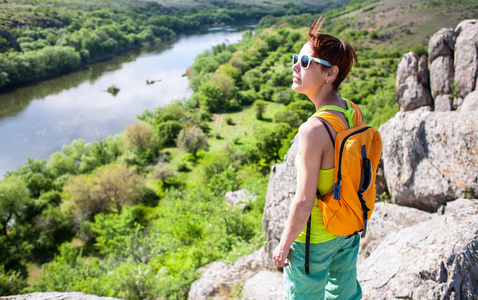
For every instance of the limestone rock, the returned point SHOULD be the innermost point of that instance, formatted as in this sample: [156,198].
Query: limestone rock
[239,198]
[423,73]
[220,279]
[265,285]
[470,103]
[435,259]
[56,296]
[464,25]
[442,43]
[443,103]
[430,157]
[466,57]
[408,66]
[388,218]
[412,85]
[280,192]
[441,74]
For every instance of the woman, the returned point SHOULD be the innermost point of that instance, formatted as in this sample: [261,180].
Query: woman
[318,70]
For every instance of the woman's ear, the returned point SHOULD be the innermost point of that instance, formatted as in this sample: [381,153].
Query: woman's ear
[332,73]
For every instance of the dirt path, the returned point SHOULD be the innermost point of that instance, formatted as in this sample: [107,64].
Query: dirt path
[218,122]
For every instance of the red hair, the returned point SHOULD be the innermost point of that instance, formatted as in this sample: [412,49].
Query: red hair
[333,50]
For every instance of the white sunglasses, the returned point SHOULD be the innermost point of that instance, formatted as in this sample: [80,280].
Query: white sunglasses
[305,61]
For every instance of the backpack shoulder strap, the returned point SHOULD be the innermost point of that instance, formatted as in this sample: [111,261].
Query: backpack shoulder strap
[352,114]
[358,117]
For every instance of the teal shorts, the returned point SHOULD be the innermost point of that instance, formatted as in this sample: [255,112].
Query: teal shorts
[333,271]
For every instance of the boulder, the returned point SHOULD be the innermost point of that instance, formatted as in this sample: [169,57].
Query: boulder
[466,58]
[442,43]
[56,296]
[407,67]
[470,103]
[430,158]
[423,73]
[280,192]
[412,83]
[443,103]
[219,280]
[434,259]
[240,198]
[265,285]
[388,218]
[441,74]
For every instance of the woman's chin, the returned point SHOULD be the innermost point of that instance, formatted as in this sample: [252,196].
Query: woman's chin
[296,87]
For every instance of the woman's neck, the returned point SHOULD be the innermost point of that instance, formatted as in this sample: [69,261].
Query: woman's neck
[328,98]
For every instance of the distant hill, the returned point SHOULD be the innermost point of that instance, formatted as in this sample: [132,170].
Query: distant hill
[401,24]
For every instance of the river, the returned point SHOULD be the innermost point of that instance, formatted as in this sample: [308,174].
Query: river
[37,120]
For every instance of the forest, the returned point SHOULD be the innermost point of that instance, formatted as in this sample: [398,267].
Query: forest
[44,39]
[137,215]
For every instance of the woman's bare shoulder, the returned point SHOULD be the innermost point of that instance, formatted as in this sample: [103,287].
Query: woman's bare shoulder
[311,133]
[312,128]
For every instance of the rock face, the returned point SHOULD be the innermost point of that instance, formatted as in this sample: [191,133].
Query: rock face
[466,57]
[430,157]
[280,192]
[441,74]
[239,198]
[453,68]
[56,296]
[412,83]
[441,43]
[388,218]
[470,103]
[266,285]
[220,279]
[434,259]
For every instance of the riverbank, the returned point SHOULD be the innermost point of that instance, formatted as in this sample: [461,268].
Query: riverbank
[39,119]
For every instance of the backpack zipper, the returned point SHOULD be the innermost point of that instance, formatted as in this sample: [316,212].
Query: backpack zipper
[338,182]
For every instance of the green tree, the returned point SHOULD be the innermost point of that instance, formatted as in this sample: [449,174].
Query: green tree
[210,97]
[11,282]
[107,190]
[14,195]
[225,84]
[260,107]
[167,132]
[139,135]
[269,140]
[192,140]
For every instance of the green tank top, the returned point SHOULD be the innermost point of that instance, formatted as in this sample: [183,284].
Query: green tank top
[318,232]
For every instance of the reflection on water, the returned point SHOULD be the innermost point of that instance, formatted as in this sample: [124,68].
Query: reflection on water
[37,120]
[16,101]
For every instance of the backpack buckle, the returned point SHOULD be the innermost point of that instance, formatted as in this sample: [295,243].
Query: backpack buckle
[337,189]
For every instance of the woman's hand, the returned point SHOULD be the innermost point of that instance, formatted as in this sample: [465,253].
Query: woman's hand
[279,256]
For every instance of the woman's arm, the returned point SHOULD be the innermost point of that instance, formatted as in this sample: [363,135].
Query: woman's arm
[311,135]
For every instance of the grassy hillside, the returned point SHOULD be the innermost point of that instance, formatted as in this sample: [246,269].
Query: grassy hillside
[188,4]
[402,24]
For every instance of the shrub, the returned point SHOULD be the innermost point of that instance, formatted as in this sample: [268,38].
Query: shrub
[260,106]
[167,132]
[192,140]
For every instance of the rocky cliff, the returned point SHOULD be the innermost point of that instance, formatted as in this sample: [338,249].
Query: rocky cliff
[424,245]
[444,79]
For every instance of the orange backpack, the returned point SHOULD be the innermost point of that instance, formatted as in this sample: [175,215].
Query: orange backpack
[357,153]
